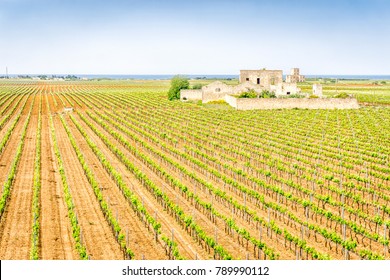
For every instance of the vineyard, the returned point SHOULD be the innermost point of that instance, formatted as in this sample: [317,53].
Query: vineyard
[127,174]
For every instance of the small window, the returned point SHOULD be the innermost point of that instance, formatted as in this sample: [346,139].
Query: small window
[217,90]
[273,81]
[184,98]
[247,79]
[288,93]
[258,81]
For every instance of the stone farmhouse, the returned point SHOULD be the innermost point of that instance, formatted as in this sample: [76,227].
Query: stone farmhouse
[269,80]
[257,80]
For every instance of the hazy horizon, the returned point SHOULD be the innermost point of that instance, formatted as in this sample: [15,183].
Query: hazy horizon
[210,37]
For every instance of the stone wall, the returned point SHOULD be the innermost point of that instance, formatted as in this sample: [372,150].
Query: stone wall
[290,103]
[231,100]
[190,94]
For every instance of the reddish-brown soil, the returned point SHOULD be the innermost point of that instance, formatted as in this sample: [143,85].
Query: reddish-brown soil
[140,239]
[56,235]
[16,222]
[9,151]
[96,233]
[186,244]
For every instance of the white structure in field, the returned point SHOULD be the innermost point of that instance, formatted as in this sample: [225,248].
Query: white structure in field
[68,109]
[317,90]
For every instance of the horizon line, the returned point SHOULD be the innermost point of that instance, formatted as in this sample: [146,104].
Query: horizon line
[182,74]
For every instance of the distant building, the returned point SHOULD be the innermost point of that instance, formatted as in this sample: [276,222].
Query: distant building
[271,80]
[295,77]
[265,78]
[256,80]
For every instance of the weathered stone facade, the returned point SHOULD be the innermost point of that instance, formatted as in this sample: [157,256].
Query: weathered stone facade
[215,91]
[294,76]
[190,94]
[285,89]
[265,78]
[271,80]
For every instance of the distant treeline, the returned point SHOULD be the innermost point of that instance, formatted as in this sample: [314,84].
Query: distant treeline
[44,77]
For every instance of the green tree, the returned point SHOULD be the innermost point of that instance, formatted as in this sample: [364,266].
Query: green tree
[177,83]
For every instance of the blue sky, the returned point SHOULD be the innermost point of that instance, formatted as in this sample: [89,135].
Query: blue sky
[194,37]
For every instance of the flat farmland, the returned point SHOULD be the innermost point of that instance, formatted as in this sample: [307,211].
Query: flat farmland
[113,170]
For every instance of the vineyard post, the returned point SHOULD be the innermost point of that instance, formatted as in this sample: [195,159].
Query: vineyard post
[344,228]
[367,182]
[216,235]
[345,253]
[155,231]
[269,221]
[384,238]
[127,237]
[260,233]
